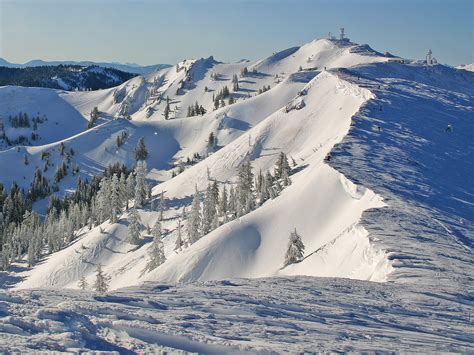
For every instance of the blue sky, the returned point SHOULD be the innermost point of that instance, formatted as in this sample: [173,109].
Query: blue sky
[149,32]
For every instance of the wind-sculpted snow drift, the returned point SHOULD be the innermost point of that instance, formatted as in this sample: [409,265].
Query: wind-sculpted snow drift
[392,204]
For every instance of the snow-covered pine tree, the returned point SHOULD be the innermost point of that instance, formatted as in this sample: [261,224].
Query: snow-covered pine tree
[156,230]
[134,227]
[179,239]
[235,83]
[208,210]
[194,219]
[286,181]
[130,188]
[140,183]
[123,191]
[83,283]
[295,251]
[232,204]
[245,200]
[167,111]
[222,207]
[269,184]
[101,283]
[103,200]
[282,165]
[156,251]
[115,202]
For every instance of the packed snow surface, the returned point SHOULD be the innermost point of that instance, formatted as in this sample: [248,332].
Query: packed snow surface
[291,314]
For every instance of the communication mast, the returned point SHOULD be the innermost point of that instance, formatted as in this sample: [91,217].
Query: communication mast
[429,60]
[341,36]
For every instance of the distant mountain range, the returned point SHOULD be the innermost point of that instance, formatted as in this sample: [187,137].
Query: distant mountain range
[127,67]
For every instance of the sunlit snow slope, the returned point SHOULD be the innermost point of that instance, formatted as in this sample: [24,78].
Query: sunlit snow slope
[321,203]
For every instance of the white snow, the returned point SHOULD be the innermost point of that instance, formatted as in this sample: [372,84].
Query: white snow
[468,67]
[393,204]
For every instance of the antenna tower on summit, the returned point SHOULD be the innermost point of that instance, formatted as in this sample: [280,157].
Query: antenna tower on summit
[429,60]
[341,36]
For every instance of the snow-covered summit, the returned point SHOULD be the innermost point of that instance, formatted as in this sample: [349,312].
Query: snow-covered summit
[468,67]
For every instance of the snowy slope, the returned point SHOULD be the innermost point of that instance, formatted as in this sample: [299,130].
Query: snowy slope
[272,315]
[422,167]
[393,204]
[307,135]
[62,120]
[185,83]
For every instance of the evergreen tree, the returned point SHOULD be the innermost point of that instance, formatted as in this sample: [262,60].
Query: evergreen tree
[130,188]
[211,142]
[282,166]
[141,153]
[232,204]
[94,117]
[194,219]
[244,72]
[167,109]
[134,227]
[245,200]
[61,148]
[115,202]
[101,280]
[295,251]
[39,186]
[208,211]
[141,188]
[156,251]
[156,230]
[222,208]
[235,83]
[179,239]
[123,191]
[83,283]
[103,200]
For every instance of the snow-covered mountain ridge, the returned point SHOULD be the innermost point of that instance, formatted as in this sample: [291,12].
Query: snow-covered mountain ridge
[391,204]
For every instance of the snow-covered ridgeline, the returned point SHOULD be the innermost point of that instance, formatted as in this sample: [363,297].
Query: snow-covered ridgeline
[323,205]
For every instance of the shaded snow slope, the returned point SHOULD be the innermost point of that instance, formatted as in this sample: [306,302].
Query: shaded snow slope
[421,167]
[61,119]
